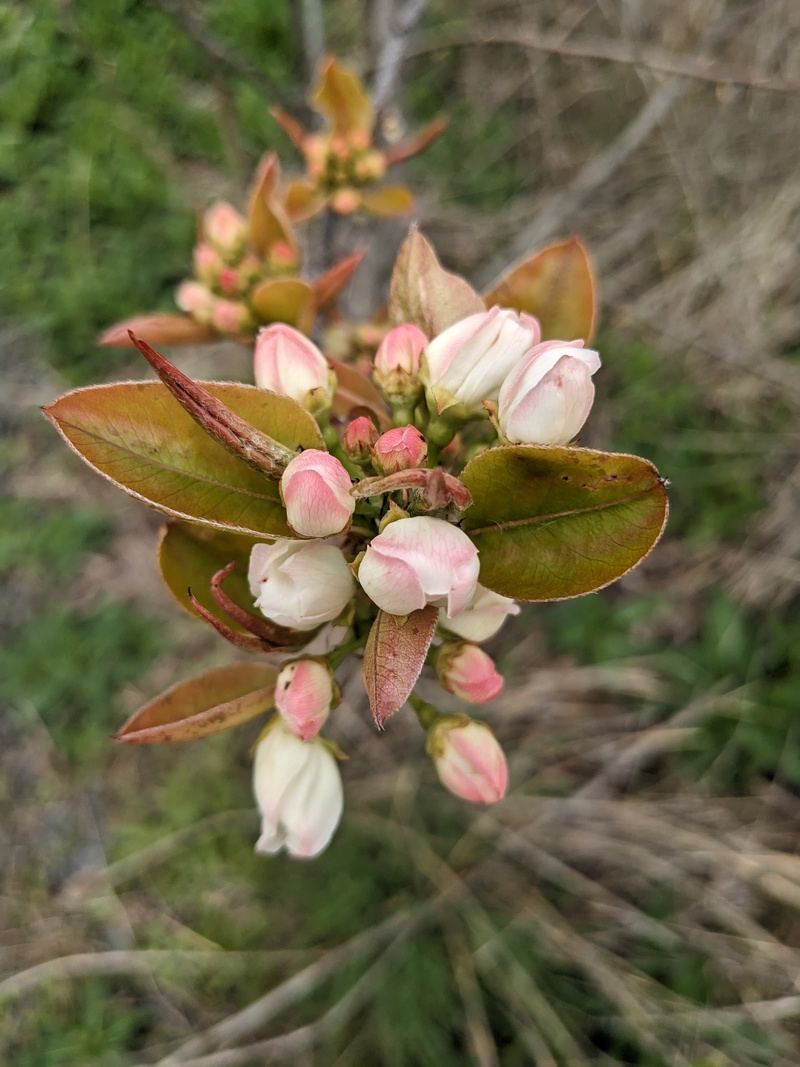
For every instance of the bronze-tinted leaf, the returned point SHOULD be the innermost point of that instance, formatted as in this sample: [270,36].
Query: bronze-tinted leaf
[328,286]
[303,200]
[552,523]
[424,293]
[204,705]
[340,95]
[557,286]
[393,658]
[286,300]
[389,202]
[268,222]
[416,143]
[138,436]
[190,555]
[157,328]
[353,390]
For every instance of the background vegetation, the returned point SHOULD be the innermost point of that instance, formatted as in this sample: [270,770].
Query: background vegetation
[634,901]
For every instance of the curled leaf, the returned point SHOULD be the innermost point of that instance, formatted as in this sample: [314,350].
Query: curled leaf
[156,328]
[393,658]
[207,704]
[340,96]
[268,222]
[328,286]
[288,300]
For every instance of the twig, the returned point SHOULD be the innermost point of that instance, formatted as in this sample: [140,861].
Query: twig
[699,68]
[393,52]
[256,1015]
[290,1044]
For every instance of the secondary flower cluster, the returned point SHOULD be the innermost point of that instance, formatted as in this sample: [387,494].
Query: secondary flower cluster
[373,537]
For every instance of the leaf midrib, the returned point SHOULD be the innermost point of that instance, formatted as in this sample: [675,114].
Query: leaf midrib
[554,516]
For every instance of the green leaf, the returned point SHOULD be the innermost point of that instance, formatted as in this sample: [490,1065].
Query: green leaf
[204,705]
[552,523]
[287,300]
[138,436]
[393,658]
[424,293]
[556,285]
[190,555]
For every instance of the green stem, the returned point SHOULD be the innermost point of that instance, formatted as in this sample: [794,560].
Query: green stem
[337,656]
[334,446]
[426,713]
[439,434]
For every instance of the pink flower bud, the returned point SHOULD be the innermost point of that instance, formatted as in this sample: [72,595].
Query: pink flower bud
[196,299]
[282,257]
[358,438]
[396,370]
[346,201]
[231,316]
[548,395]
[287,362]
[469,361]
[229,281]
[467,672]
[304,693]
[482,617]
[468,759]
[299,584]
[207,263]
[298,789]
[226,229]
[420,561]
[316,492]
[400,449]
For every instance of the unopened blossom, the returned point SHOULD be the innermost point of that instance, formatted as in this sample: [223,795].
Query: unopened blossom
[207,263]
[226,229]
[316,492]
[396,364]
[400,449]
[304,693]
[467,672]
[548,395]
[196,299]
[419,561]
[467,363]
[482,617]
[298,789]
[286,362]
[299,584]
[358,438]
[468,759]
[231,316]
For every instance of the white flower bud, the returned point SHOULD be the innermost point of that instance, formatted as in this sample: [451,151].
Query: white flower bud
[299,584]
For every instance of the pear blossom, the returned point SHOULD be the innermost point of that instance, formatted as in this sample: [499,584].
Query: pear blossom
[468,759]
[304,692]
[226,229]
[419,561]
[400,449]
[548,395]
[298,789]
[358,438]
[299,584]
[286,362]
[467,672]
[316,492]
[467,363]
[396,364]
[482,617]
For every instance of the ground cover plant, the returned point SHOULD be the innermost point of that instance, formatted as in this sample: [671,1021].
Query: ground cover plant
[631,901]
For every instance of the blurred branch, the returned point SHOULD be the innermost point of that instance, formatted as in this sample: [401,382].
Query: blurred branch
[700,68]
[393,52]
[309,25]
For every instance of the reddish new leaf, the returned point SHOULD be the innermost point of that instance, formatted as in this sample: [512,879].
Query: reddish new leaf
[328,286]
[556,285]
[204,705]
[353,390]
[393,658]
[424,293]
[156,328]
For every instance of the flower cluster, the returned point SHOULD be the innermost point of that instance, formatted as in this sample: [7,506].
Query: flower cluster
[407,556]
[393,504]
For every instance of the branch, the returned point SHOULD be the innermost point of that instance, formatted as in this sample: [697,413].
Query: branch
[393,52]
